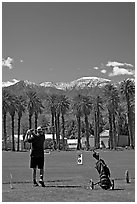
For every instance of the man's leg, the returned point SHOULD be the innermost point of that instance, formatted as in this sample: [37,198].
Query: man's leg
[33,165]
[41,167]
[34,177]
[41,178]
[41,174]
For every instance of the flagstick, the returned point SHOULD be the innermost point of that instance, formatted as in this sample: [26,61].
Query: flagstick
[11,186]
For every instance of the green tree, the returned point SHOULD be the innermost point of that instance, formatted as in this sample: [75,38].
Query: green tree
[6,98]
[31,105]
[86,107]
[12,110]
[97,104]
[96,95]
[121,121]
[21,104]
[38,109]
[112,103]
[51,105]
[24,127]
[64,107]
[77,110]
[127,89]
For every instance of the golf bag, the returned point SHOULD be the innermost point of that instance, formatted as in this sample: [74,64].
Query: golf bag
[104,174]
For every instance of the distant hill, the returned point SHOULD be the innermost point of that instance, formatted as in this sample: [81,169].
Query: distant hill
[19,86]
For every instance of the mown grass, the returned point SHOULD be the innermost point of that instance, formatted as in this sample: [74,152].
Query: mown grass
[66,180]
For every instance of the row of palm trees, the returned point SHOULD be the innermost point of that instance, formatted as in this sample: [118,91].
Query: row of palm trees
[13,104]
[117,102]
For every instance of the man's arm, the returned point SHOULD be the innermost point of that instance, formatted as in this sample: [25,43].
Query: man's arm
[27,136]
[30,136]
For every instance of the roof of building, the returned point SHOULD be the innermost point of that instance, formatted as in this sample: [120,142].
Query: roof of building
[104,133]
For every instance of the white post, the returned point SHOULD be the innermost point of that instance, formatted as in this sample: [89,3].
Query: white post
[11,186]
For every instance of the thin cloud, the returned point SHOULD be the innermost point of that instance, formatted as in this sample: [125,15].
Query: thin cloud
[7,62]
[118,64]
[103,71]
[121,71]
[129,65]
[114,64]
[96,68]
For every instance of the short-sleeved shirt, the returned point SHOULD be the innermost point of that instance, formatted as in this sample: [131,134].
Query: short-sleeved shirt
[37,146]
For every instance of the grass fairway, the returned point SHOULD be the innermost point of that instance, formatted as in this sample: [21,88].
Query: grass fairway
[65,180]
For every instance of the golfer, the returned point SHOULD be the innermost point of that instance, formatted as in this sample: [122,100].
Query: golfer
[37,154]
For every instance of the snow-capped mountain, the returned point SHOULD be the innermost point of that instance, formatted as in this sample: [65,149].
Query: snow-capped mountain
[29,83]
[79,83]
[9,83]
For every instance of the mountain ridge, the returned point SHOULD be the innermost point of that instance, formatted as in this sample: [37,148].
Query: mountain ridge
[78,83]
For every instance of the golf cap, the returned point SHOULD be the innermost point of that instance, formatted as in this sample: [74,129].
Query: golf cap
[39,129]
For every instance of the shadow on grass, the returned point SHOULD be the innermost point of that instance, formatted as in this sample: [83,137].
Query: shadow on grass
[48,181]
[64,186]
[61,180]
[117,189]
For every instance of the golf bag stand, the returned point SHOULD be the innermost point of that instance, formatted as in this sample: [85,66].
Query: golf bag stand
[104,174]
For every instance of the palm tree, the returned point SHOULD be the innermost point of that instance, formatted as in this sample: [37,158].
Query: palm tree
[51,104]
[96,94]
[86,105]
[6,97]
[112,103]
[24,126]
[57,122]
[77,109]
[38,109]
[97,104]
[31,105]
[127,89]
[20,110]
[121,120]
[12,110]
[64,106]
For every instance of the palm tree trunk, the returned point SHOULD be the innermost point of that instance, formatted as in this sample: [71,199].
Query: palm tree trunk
[95,129]
[13,142]
[110,131]
[79,133]
[53,130]
[63,131]
[36,120]
[56,128]
[4,131]
[130,125]
[30,121]
[119,128]
[119,131]
[114,132]
[98,135]
[87,132]
[19,119]
[58,124]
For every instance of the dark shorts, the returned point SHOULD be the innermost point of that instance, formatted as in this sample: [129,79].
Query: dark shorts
[37,162]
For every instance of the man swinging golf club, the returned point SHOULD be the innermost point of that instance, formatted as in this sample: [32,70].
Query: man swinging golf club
[37,154]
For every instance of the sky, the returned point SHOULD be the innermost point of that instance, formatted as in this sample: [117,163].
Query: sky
[64,41]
